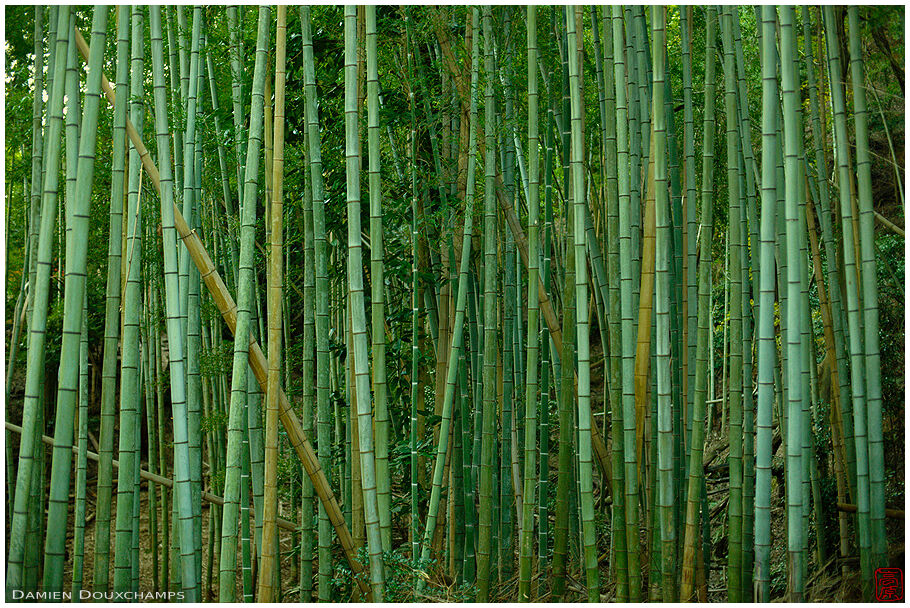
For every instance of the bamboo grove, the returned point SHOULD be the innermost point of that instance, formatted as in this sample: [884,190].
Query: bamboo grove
[466,303]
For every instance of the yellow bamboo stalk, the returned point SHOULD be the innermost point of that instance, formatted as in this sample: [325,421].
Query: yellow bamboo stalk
[645,307]
[269,570]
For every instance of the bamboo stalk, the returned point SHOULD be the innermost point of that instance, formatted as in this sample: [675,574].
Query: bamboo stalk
[357,331]
[268,573]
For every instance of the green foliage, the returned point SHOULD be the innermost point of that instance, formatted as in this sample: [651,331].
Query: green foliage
[217,361]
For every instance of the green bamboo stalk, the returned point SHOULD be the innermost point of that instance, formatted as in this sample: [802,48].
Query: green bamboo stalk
[415,302]
[176,103]
[614,308]
[175,340]
[585,470]
[842,396]
[736,240]
[68,376]
[189,102]
[527,522]
[71,137]
[507,401]
[869,299]
[690,237]
[666,498]
[130,356]
[678,318]
[155,348]
[635,150]
[134,531]
[767,348]
[377,281]
[189,284]
[147,361]
[469,565]
[703,347]
[748,176]
[794,364]
[79,514]
[567,357]
[545,367]
[630,469]
[489,323]
[239,376]
[358,313]
[32,419]
[307,537]
[38,145]
[246,557]
[236,53]
[747,170]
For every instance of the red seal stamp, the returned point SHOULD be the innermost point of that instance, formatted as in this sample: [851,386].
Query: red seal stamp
[889,585]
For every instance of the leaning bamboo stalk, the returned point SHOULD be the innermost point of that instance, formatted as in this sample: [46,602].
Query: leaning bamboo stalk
[228,309]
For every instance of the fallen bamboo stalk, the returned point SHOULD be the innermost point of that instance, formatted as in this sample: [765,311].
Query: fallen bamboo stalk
[892,513]
[889,224]
[228,309]
[154,478]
